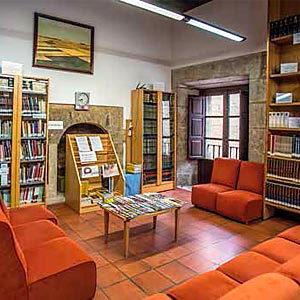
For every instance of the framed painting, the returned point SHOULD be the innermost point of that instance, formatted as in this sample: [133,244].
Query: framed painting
[63,45]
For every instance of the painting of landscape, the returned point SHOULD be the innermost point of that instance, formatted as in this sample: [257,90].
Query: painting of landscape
[62,44]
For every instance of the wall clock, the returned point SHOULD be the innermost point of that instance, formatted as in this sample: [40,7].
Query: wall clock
[82,100]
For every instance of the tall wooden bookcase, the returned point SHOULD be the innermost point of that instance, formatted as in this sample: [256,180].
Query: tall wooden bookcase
[78,189]
[153,141]
[23,140]
[282,175]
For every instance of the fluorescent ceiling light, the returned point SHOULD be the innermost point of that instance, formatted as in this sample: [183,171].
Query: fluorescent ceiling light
[155,9]
[214,29]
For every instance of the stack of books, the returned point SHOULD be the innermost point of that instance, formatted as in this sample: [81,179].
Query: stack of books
[283,169]
[33,105]
[6,103]
[32,173]
[31,194]
[35,128]
[286,26]
[287,146]
[6,197]
[288,195]
[133,168]
[5,151]
[33,149]
[5,128]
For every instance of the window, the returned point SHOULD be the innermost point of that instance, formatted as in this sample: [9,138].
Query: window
[218,124]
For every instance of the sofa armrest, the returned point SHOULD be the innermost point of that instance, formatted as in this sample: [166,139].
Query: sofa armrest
[271,286]
[158,297]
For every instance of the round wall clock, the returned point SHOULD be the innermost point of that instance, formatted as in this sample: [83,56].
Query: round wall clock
[82,100]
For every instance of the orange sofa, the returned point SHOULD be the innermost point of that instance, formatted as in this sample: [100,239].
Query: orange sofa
[235,190]
[270,270]
[38,261]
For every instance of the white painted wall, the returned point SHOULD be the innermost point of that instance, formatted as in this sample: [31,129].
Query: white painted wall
[246,17]
[130,46]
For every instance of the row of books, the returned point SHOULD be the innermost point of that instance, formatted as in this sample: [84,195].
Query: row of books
[286,26]
[284,194]
[33,149]
[32,173]
[138,205]
[5,194]
[149,176]
[167,161]
[283,120]
[6,102]
[167,175]
[149,162]
[5,150]
[32,194]
[150,146]
[6,82]
[150,127]
[5,128]
[283,169]
[35,128]
[287,146]
[33,104]
[150,111]
[150,97]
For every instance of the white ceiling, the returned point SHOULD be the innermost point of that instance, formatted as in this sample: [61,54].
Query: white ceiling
[246,17]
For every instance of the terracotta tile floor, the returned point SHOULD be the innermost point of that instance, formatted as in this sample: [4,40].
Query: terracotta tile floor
[155,262]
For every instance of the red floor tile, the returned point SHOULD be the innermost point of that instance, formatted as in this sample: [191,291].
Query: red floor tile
[108,275]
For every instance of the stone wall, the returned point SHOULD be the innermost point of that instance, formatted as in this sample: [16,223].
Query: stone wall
[109,118]
[254,66]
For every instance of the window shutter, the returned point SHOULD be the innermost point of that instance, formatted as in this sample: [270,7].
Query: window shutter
[196,127]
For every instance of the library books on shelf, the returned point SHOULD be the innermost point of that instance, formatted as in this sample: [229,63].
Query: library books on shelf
[23,139]
[282,157]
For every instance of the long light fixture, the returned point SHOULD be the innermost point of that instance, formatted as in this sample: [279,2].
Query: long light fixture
[155,9]
[187,19]
[214,29]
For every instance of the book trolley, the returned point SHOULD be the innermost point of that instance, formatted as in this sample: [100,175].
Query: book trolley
[23,140]
[82,191]
[282,155]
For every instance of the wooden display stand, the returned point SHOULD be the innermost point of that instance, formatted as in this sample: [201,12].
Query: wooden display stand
[24,108]
[153,140]
[281,50]
[75,185]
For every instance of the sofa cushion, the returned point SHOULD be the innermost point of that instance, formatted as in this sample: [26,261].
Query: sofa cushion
[225,171]
[209,286]
[31,235]
[240,205]
[12,263]
[278,249]
[205,195]
[60,269]
[247,266]
[271,286]
[25,214]
[251,177]
[291,269]
[291,234]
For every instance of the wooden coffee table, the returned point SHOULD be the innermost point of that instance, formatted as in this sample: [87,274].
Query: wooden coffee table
[127,219]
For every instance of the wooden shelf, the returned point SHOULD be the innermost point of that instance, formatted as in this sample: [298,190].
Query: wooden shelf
[283,40]
[287,76]
[294,104]
[283,158]
[284,129]
[282,206]
[290,182]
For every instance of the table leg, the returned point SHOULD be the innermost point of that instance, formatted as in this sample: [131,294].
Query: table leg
[154,222]
[126,238]
[106,225]
[176,224]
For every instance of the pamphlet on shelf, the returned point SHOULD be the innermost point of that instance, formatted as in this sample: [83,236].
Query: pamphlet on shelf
[109,170]
[89,172]
[87,157]
[96,143]
[82,144]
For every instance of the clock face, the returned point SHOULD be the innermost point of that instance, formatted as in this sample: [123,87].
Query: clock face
[82,100]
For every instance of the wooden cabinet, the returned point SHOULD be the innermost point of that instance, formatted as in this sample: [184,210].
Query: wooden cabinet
[23,140]
[282,159]
[153,141]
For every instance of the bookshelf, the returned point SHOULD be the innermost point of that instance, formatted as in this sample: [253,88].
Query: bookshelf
[23,140]
[153,141]
[282,155]
[79,190]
